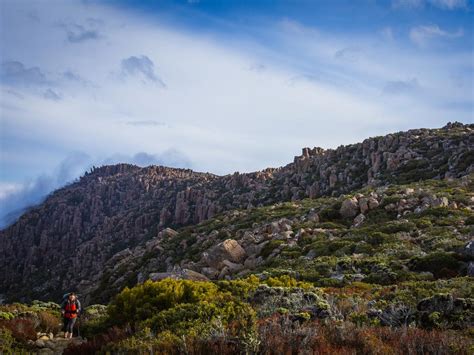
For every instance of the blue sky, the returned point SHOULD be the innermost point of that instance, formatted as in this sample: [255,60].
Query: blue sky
[218,86]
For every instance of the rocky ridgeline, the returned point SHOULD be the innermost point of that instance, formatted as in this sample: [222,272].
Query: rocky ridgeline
[65,242]
[230,251]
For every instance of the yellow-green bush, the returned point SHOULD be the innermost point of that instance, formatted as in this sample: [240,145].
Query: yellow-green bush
[177,305]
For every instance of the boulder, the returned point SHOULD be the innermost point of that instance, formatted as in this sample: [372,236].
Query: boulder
[349,208]
[255,249]
[210,272]
[358,220]
[363,205]
[252,262]
[373,203]
[224,272]
[233,267]
[229,250]
[470,269]
[468,249]
[313,217]
[167,233]
[440,202]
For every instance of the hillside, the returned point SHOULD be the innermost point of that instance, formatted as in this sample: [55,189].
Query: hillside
[67,241]
[381,270]
[368,248]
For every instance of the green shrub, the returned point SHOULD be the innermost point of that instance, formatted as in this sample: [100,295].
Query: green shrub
[176,305]
[270,247]
[378,238]
[6,341]
[441,264]
[330,213]
[469,221]
[395,227]
[6,315]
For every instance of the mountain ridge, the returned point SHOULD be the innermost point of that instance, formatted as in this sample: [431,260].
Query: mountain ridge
[65,242]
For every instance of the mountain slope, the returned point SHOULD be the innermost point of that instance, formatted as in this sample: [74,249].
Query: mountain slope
[66,242]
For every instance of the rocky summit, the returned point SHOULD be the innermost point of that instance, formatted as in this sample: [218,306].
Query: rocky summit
[84,232]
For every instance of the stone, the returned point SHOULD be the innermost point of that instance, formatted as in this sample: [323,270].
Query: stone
[358,220]
[224,272]
[229,249]
[210,272]
[332,180]
[311,254]
[256,249]
[357,277]
[363,205]
[373,203]
[349,208]
[468,249]
[440,202]
[252,262]
[470,269]
[313,217]
[233,267]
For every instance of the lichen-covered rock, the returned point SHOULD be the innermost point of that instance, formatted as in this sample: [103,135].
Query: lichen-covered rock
[349,208]
[358,220]
[229,250]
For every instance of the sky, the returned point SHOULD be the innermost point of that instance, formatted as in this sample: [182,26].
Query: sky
[218,86]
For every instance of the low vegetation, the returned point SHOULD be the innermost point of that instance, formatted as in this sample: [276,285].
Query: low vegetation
[399,282]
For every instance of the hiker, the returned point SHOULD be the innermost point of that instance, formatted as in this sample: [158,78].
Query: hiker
[70,309]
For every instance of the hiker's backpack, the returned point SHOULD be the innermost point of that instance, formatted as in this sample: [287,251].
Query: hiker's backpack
[66,295]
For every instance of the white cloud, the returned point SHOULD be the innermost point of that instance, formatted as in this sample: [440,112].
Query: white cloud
[422,35]
[142,67]
[229,104]
[397,87]
[387,33]
[442,4]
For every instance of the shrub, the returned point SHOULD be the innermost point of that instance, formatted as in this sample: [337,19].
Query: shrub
[441,264]
[330,213]
[378,238]
[469,221]
[94,345]
[6,341]
[49,322]
[270,247]
[286,281]
[6,315]
[21,329]
[177,305]
[395,227]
